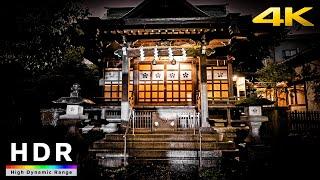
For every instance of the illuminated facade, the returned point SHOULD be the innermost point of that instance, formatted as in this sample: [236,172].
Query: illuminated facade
[169,55]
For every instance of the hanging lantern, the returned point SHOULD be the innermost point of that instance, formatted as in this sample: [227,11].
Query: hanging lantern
[173,62]
[154,62]
[156,56]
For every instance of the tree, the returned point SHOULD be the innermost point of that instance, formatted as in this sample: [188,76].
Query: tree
[46,41]
[44,33]
[276,73]
[41,56]
[259,45]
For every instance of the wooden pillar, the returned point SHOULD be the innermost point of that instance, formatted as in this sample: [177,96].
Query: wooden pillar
[295,94]
[305,91]
[230,78]
[125,106]
[135,82]
[231,93]
[276,96]
[194,83]
[203,86]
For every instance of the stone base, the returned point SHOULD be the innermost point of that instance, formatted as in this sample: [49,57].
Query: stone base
[109,128]
[255,123]
[68,122]
[67,116]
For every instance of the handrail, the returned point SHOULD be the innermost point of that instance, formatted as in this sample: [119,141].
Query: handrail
[125,138]
[200,147]
[200,140]
[194,122]
[131,100]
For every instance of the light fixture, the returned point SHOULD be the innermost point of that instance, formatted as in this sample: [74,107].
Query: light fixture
[203,50]
[235,77]
[171,58]
[154,62]
[173,62]
[124,51]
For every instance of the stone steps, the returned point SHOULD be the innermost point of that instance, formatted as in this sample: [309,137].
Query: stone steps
[185,145]
[162,137]
[118,162]
[159,153]
[173,148]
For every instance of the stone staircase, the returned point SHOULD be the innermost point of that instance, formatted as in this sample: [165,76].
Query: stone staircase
[171,148]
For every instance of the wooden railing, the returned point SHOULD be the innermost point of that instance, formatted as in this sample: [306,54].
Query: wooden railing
[222,101]
[304,122]
[200,148]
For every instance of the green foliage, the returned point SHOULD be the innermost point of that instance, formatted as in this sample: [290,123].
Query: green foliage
[309,73]
[45,32]
[254,101]
[276,73]
[47,44]
[73,54]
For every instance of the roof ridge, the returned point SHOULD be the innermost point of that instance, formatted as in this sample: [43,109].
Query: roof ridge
[165,4]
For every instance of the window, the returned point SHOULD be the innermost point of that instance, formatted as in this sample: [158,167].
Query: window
[151,83]
[165,83]
[179,82]
[289,53]
[218,86]
[113,84]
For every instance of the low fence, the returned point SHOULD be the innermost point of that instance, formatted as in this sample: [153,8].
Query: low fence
[188,120]
[301,122]
[142,120]
[185,119]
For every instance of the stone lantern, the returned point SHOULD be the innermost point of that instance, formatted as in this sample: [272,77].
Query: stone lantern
[253,115]
[74,111]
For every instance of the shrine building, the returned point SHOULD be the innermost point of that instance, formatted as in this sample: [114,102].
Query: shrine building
[169,60]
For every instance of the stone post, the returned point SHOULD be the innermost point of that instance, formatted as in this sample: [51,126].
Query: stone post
[125,106]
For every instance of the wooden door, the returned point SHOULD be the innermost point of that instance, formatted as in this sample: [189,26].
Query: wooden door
[165,84]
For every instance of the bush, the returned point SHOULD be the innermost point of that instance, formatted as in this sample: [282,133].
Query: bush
[254,101]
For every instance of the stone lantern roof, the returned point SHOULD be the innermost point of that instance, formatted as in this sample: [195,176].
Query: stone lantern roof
[74,97]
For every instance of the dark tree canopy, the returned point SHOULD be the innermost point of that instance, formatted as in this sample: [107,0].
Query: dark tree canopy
[45,40]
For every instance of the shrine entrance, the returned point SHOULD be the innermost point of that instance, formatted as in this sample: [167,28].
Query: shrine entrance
[165,83]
